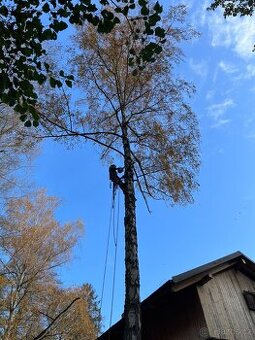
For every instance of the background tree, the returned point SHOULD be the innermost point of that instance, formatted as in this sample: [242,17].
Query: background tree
[26,25]
[82,321]
[140,119]
[33,244]
[17,148]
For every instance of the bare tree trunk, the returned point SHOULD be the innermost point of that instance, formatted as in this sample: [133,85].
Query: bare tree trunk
[132,313]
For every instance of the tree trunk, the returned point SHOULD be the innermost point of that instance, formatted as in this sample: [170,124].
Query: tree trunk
[132,313]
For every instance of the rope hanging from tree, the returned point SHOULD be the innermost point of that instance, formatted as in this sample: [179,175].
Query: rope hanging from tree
[114,225]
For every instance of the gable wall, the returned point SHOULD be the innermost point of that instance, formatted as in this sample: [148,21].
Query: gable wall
[181,319]
[225,310]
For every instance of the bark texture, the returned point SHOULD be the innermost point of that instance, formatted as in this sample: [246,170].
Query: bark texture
[132,329]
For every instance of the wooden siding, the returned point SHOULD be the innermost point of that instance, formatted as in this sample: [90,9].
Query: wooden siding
[180,319]
[226,313]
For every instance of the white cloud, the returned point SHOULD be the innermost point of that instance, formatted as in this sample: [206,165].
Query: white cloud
[217,112]
[199,67]
[220,122]
[236,33]
[227,67]
[250,71]
[210,94]
[247,73]
[251,136]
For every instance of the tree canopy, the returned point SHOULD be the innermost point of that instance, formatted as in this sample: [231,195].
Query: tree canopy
[16,149]
[26,25]
[33,245]
[151,104]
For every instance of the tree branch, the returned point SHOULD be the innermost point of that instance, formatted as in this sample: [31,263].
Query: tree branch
[43,334]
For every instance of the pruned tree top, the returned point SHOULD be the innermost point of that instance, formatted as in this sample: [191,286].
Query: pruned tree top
[148,102]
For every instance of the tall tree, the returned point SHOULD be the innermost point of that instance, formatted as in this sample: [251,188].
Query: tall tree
[139,117]
[33,244]
[25,26]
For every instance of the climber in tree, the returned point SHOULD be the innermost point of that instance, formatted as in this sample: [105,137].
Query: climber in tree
[114,178]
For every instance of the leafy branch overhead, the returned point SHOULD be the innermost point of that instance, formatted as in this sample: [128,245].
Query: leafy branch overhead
[235,7]
[26,25]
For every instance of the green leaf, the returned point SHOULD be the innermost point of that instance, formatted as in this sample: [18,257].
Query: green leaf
[153,19]
[158,8]
[20,109]
[23,118]
[125,10]
[47,34]
[69,83]
[142,2]
[40,78]
[58,83]
[70,77]
[47,67]
[28,123]
[145,10]
[4,11]
[52,82]
[27,51]
[160,32]
[60,26]
[46,7]
[12,102]
[158,49]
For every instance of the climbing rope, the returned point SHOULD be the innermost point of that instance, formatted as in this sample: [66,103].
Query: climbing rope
[114,227]
[115,238]
[107,248]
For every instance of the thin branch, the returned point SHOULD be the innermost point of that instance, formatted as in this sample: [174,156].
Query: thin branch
[45,314]
[68,107]
[141,168]
[43,334]
[142,192]
[70,133]
[103,91]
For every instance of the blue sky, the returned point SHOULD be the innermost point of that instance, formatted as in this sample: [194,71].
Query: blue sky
[173,239]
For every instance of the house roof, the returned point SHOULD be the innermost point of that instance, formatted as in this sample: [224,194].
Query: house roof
[206,267]
[199,275]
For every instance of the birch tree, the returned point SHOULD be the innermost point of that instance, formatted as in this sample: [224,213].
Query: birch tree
[33,245]
[137,113]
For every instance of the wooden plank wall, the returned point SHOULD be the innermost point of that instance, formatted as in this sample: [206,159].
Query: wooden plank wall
[226,313]
[181,319]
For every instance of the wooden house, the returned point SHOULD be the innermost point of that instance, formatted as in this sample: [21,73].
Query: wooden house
[214,301]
